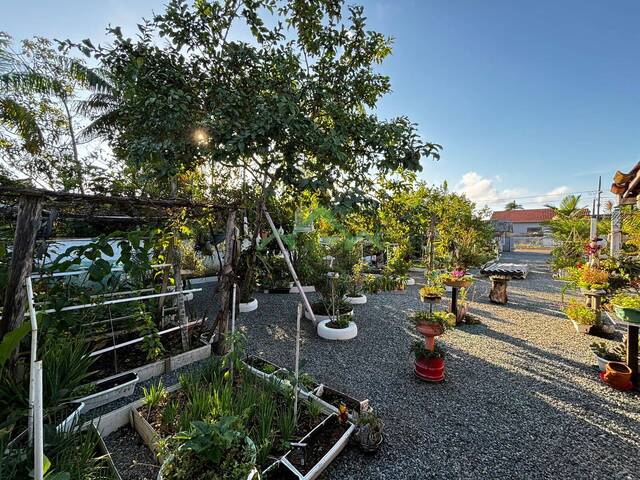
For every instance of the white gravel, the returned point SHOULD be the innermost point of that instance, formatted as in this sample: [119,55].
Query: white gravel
[521,399]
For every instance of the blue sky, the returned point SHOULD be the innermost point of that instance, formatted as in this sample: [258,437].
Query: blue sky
[527,98]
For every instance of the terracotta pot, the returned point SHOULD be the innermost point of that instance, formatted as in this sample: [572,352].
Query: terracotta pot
[617,374]
[430,329]
[430,369]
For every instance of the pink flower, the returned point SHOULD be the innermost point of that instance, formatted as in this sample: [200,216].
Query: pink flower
[458,273]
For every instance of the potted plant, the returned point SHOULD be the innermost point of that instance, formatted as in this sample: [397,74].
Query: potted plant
[355,296]
[618,375]
[218,449]
[431,293]
[604,354]
[369,431]
[627,307]
[340,328]
[433,323]
[582,317]
[457,278]
[429,364]
[332,287]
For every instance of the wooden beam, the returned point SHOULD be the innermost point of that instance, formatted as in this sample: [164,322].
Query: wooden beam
[27,225]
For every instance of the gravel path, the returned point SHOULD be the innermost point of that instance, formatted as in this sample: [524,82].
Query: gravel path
[521,398]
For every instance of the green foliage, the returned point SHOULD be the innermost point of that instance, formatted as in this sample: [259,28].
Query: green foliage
[626,300]
[580,313]
[445,319]
[602,350]
[211,450]
[151,342]
[420,351]
[340,322]
[155,395]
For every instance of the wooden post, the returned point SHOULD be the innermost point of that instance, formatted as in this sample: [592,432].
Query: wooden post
[632,352]
[27,224]
[226,281]
[498,293]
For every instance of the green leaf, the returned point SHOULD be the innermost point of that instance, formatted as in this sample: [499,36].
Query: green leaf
[11,341]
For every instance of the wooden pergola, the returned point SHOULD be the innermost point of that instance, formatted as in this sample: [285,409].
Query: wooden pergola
[626,186]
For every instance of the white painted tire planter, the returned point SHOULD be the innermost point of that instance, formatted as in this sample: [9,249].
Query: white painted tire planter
[249,307]
[410,281]
[321,318]
[359,300]
[602,363]
[337,333]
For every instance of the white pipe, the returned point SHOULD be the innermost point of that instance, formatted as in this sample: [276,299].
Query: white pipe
[71,273]
[34,354]
[38,441]
[137,340]
[295,397]
[287,259]
[233,323]
[119,300]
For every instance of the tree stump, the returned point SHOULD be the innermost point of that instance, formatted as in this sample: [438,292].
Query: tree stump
[498,293]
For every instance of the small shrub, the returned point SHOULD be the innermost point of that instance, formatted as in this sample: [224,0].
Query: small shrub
[580,314]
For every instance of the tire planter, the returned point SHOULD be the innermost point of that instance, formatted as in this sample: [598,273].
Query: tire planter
[357,300]
[321,318]
[123,386]
[602,363]
[627,314]
[429,369]
[249,307]
[410,281]
[329,333]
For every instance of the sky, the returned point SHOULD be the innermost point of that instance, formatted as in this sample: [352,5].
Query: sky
[530,100]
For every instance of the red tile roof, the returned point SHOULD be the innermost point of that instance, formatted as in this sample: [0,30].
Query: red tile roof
[533,215]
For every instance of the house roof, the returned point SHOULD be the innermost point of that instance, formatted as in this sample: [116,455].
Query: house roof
[533,215]
[627,184]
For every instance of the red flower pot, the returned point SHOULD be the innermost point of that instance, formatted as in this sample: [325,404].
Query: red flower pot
[430,329]
[430,369]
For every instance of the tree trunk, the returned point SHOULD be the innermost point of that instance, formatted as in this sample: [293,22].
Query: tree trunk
[498,293]
[227,279]
[30,208]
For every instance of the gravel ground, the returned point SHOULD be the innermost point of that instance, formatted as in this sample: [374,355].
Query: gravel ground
[132,458]
[521,398]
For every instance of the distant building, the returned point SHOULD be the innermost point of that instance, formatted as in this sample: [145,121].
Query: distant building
[522,222]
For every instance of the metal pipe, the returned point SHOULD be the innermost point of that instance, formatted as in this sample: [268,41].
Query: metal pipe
[297,387]
[39,276]
[119,300]
[34,355]
[137,340]
[38,440]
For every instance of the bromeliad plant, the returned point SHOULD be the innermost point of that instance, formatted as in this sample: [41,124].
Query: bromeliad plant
[431,292]
[587,277]
[626,300]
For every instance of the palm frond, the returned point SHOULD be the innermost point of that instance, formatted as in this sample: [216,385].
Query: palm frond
[24,120]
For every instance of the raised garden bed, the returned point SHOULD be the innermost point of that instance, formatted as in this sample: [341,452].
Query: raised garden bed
[109,389]
[332,398]
[323,444]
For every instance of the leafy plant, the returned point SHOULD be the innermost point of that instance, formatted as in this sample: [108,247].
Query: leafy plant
[341,322]
[286,424]
[431,291]
[419,349]
[626,300]
[219,449]
[170,414]
[445,319]
[151,343]
[602,350]
[153,396]
[580,314]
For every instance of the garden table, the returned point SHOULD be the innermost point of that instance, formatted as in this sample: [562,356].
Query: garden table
[632,345]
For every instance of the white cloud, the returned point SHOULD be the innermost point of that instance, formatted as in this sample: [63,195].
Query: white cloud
[483,191]
[486,191]
[553,195]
